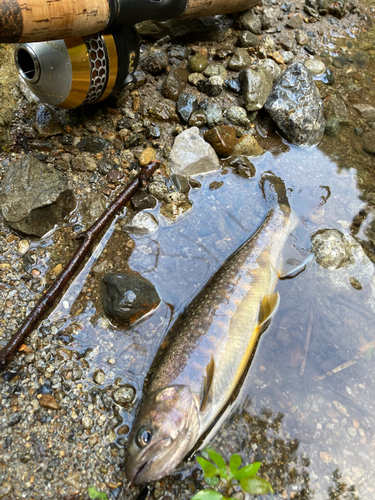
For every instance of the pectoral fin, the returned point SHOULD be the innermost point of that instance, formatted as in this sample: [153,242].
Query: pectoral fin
[294,262]
[210,370]
[269,306]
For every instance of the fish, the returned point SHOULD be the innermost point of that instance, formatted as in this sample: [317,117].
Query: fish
[210,351]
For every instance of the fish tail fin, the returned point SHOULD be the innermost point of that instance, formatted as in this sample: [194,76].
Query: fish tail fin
[299,202]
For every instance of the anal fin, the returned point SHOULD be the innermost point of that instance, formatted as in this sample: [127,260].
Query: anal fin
[268,308]
[210,370]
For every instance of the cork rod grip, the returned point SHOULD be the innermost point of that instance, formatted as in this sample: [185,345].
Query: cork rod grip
[36,20]
[198,8]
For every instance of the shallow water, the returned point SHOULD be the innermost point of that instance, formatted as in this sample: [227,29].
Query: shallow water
[324,422]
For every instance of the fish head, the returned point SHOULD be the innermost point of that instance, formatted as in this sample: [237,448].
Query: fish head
[164,431]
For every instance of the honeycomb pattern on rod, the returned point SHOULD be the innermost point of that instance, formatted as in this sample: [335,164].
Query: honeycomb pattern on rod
[99,67]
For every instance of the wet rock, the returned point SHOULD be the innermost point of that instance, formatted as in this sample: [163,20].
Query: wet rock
[266,47]
[198,119]
[361,59]
[173,210]
[216,185]
[175,83]
[215,70]
[336,107]
[124,395]
[179,52]
[186,105]
[92,207]
[337,8]
[158,189]
[369,142]
[268,18]
[191,155]
[332,127]
[205,28]
[315,66]
[214,114]
[256,86]
[46,122]
[296,107]
[181,182]
[242,166]
[286,40]
[99,377]
[240,60]
[248,39]
[156,62]
[248,21]
[49,402]
[222,139]
[164,111]
[302,38]
[287,56]
[198,63]
[153,132]
[126,298]
[141,223]
[34,197]
[238,116]
[93,145]
[329,77]
[272,67]
[295,22]
[331,249]
[5,489]
[247,145]
[212,87]
[143,200]
[87,422]
[233,84]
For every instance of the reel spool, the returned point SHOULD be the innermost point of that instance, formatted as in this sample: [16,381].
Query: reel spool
[81,70]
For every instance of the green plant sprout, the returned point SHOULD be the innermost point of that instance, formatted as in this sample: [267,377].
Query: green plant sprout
[96,495]
[230,476]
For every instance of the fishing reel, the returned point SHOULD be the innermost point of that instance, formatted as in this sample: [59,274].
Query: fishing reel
[80,70]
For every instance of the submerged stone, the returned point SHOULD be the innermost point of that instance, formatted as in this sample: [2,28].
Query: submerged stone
[141,223]
[126,297]
[296,106]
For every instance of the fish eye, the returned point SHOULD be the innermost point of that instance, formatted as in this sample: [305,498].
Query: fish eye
[143,437]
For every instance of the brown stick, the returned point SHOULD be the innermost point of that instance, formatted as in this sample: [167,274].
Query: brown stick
[88,237]
[307,342]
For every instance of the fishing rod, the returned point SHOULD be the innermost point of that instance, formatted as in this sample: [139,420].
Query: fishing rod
[73,52]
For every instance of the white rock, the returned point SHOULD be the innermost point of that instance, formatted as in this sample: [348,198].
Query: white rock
[192,155]
[142,223]
[315,66]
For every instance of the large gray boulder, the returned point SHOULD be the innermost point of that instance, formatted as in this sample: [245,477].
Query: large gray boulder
[35,197]
[296,107]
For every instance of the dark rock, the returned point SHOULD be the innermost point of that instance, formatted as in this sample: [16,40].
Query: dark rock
[233,84]
[242,166]
[248,21]
[175,83]
[126,298]
[153,132]
[156,62]
[203,28]
[296,107]
[222,138]
[35,197]
[340,61]
[332,127]
[179,52]
[104,166]
[256,86]
[66,140]
[329,77]
[124,123]
[216,184]
[310,50]
[198,63]
[212,87]
[41,146]
[224,50]
[338,8]
[133,140]
[46,388]
[164,111]
[93,145]
[361,59]
[115,175]
[186,105]
[46,122]
[181,182]
[248,39]
[142,200]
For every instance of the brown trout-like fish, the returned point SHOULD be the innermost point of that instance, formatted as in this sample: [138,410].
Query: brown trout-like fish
[212,347]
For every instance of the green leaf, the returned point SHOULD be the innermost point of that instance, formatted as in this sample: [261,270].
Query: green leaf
[218,460]
[209,469]
[247,471]
[208,495]
[212,481]
[368,353]
[234,463]
[255,485]
[96,495]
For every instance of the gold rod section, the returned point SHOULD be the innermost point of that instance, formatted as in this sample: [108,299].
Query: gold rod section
[199,8]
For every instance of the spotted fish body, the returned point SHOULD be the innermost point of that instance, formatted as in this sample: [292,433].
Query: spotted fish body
[211,349]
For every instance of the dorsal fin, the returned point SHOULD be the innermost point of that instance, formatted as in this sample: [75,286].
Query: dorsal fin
[210,370]
[268,307]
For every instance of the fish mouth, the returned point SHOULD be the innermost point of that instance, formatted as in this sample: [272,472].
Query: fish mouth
[136,479]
